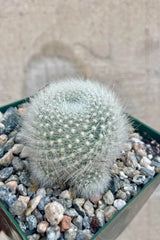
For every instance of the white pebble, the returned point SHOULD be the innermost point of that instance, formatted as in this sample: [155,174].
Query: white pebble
[145,161]
[54,213]
[119,203]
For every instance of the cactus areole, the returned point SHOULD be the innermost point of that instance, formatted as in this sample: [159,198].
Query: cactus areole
[74,130]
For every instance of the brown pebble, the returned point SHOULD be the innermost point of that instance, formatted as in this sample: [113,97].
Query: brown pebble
[12,185]
[96,198]
[94,224]
[42,226]
[65,223]
[3,139]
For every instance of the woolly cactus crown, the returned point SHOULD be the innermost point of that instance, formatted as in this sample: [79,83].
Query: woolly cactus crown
[74,129]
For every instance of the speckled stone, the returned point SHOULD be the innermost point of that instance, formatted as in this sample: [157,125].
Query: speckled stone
[53,233]
[119,203]
[31,222]
[84,234]
[108,197]
[25,179]
[88,207]
[33,204]
[71,233]
[115,184]
[129,171]
[17,164]
[38,215]
[96,198]
[6,159]
[109,212]
[6,173]
[1,151]
[18,207]
[7,196]
[77,221]
[24,198]
[68,203]
[54,213]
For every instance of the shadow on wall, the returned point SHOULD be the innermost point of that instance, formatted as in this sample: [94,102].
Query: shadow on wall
[55,61]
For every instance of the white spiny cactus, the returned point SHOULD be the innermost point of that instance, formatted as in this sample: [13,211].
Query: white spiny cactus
[74,129]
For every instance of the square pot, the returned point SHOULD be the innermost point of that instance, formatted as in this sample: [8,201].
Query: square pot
[112,229]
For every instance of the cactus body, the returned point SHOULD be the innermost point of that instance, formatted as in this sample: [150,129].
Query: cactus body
[74,129]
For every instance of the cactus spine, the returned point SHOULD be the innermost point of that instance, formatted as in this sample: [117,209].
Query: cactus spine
[74,129]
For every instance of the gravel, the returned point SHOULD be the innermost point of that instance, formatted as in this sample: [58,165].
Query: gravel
[55,214]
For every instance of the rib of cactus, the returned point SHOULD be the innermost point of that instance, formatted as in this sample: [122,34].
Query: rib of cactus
[74,129]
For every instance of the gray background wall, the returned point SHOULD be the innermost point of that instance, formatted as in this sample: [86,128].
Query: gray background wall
[115,42]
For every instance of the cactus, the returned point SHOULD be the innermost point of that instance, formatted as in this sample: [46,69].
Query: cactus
[74,131]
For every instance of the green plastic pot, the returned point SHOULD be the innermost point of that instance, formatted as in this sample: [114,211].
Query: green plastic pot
[112,229]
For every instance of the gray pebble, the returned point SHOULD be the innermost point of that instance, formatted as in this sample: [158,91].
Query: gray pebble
[12,178]
[1,151]
[21,224]
[9,144]
[139,179]
[18,207]
[86,222]
[101,205]
[31,222]
[11,119]
[6,173]
[53,233]
[38,215]
[84,234]
[147,172]
[78,208]
[157,159]
[71,212]
[156,164]
[71,233]
[22,189]
[17,164]
[68,203]
[44,201]
[77,221]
